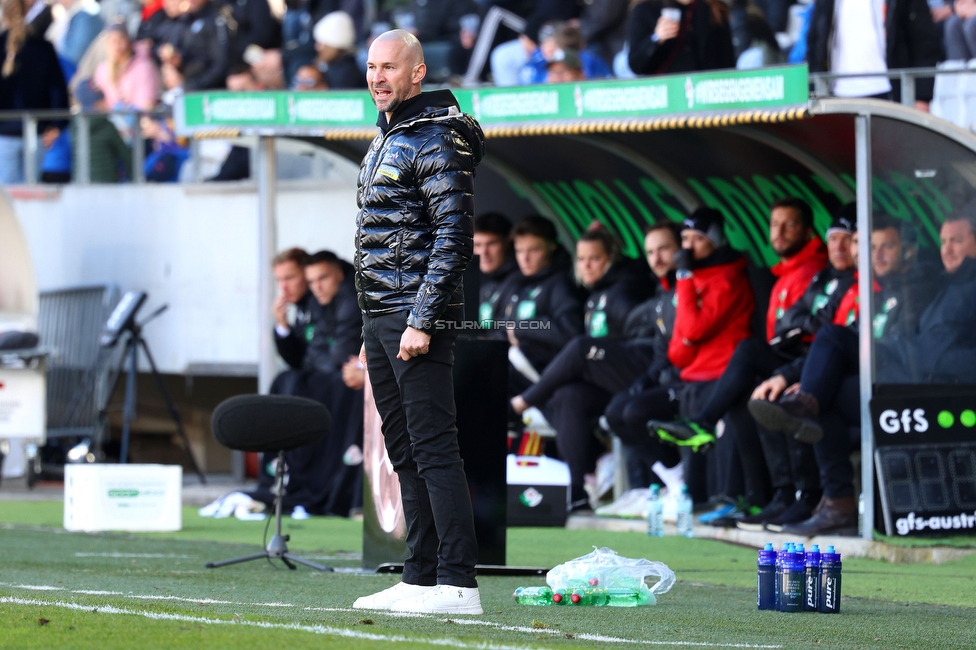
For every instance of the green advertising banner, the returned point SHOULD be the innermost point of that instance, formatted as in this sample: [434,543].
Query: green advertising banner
[712,91]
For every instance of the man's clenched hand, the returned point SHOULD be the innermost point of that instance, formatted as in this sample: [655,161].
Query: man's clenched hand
[413,343]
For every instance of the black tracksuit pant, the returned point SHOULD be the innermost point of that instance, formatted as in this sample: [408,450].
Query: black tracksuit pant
[791,464]
[575,389]
[609,364]
[415,400]
[832,357]
[840,423]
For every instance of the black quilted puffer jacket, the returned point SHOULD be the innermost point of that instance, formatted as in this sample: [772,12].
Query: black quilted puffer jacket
[416,204]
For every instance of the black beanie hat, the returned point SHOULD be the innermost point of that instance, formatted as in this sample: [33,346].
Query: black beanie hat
[845,220]
[708,222]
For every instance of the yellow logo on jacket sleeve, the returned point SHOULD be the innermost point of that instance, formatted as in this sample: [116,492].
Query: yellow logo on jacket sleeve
[389,172]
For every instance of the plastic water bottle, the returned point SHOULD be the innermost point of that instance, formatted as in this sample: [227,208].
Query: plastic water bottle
[766,578]
[538,596]
[778,573]
[830,570]
[655,512]
[860,515]
[792,589]
[630,597]
[589,597]
[811,584]
[685,519]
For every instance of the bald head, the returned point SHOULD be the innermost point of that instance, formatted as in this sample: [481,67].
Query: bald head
[409,45]
[394,69]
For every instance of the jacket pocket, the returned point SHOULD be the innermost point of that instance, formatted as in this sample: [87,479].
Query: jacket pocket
[398,261]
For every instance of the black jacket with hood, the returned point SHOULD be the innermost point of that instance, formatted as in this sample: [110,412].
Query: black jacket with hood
[416,203]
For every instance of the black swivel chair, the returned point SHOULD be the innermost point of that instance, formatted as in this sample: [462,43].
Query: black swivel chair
[271,424]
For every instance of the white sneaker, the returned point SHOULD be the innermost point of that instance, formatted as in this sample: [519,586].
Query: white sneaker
[444,599]
[388,597]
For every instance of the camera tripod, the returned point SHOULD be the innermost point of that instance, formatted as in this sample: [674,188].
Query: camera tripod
[278,545]
[130,358]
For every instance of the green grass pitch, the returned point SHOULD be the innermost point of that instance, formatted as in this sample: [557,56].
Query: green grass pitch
[68,590]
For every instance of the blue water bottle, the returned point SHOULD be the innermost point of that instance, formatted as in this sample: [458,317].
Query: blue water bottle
[792,589]
[767,578]
[778,577]
[811,583]
[830,568]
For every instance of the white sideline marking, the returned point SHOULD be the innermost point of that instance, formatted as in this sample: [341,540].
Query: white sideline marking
[460,621]
[147,556]
[314,629]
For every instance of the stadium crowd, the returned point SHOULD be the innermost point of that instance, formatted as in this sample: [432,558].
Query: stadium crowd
[123,55]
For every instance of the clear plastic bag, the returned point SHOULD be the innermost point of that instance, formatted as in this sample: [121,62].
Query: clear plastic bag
[605,570]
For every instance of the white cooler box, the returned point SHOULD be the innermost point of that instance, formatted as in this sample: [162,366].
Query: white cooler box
[538,495]
[136,498]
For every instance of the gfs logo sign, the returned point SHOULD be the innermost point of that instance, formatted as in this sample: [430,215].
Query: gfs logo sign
[908,421]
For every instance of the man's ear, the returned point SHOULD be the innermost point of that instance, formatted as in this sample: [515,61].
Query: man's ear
[419,73]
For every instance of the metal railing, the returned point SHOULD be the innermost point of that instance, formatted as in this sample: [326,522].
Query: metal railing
[81,145]
[906,77]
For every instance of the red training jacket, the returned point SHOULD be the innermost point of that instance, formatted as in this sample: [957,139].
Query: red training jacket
[795,274]
[713,314]
[850,304]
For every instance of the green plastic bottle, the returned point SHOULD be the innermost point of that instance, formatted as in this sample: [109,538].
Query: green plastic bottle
[630,597]
[537,596]
[589,597]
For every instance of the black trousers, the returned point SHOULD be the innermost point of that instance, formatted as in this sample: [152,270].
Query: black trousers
[841,424]
[415,400]
[791,464]
[573,412]
[832,357]
[609,364]
[753,362]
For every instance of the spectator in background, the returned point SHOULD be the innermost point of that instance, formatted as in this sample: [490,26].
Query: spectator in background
[335,42]
[670,36]
[30,79]
[110,159]
[871,36]
[604,28]
[960,31]
[761,48]
[564,67]
[80,26]
[162,27]
[254,29]
[127,77]
[776,13]
[168,153]
[308,78]
[38,17]
[554,36]
[508,58]
[202,57]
